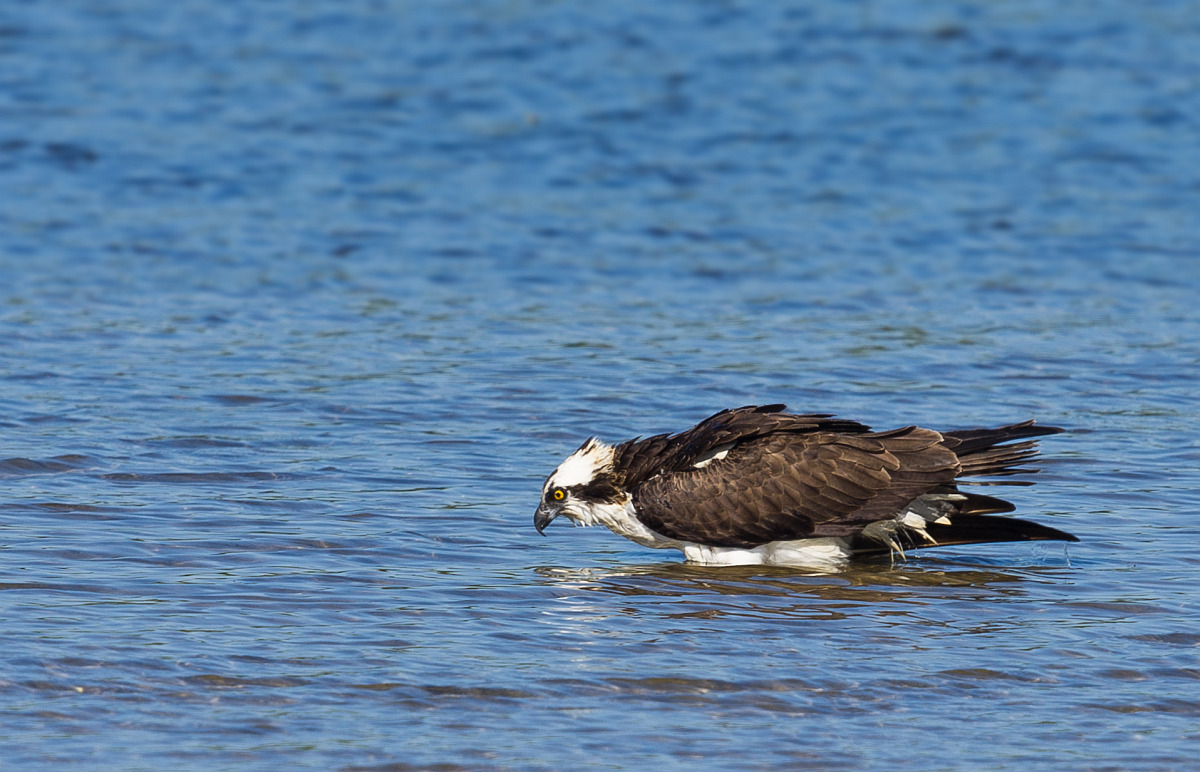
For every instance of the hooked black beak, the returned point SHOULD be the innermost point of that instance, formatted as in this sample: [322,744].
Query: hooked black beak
[543,517]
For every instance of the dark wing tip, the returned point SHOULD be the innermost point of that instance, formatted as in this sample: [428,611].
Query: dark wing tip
[1032,428]
[985,529]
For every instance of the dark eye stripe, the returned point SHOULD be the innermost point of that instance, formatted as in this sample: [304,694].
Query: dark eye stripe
[601,489]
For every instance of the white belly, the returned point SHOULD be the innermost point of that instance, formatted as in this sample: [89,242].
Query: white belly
[824,554]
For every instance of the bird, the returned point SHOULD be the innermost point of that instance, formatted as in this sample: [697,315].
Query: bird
[756,485]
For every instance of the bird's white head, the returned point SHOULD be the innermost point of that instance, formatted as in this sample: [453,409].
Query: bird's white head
[579,484]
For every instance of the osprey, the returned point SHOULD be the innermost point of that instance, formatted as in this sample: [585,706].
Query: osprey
[757,486]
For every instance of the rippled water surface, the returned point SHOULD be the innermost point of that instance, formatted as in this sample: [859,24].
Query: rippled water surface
[300,301]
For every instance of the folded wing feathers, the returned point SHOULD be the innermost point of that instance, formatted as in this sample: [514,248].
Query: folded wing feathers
[782,486]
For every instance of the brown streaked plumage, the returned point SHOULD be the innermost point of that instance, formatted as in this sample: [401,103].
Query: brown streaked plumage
[757,485]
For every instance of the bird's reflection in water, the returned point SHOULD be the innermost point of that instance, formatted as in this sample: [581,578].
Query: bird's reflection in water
[870,582]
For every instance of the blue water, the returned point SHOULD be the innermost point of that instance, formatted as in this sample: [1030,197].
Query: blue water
[300,302]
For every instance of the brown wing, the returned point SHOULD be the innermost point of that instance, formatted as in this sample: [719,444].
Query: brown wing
[643,459]
[791,486]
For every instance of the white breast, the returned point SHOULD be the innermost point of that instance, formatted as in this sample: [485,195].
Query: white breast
[622,520]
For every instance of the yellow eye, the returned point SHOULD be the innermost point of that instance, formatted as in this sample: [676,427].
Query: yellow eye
[559,494]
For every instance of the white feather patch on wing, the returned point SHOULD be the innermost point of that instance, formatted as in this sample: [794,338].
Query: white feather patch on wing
[716,454]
